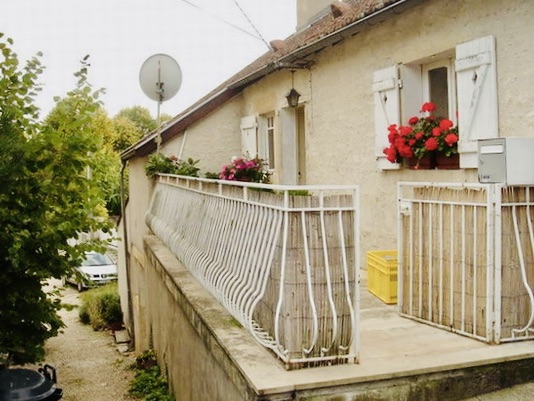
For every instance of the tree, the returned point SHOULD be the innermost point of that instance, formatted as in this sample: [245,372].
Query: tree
[141,118]
[126,133]
[133,123]
[46,200]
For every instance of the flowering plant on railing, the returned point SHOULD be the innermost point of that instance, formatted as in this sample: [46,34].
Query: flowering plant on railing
[421,137]
[246,170]
[158,163]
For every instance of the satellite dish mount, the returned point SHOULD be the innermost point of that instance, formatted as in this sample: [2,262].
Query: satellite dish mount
[160,79]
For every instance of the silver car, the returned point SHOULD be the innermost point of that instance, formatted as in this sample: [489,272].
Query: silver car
[96,269]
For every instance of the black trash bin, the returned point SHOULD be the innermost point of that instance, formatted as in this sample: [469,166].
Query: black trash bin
[29,385]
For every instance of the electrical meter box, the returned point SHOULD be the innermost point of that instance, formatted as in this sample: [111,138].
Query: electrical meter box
[508,161]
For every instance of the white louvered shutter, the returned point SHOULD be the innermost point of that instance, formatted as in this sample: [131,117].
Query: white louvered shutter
[249,140]
[387,110]
[476,77]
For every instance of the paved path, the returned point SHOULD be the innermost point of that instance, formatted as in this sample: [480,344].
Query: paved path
[87,362]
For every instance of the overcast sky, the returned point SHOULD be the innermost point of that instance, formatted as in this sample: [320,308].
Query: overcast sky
[119,35]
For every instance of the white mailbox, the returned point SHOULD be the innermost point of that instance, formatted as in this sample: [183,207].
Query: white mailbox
[509,161]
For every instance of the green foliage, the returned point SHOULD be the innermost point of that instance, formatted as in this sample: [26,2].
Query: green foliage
[45,200]
[298,192]
[148,384]
[158,163]
[212,176]
[140,117]
[126,133]
[101,307]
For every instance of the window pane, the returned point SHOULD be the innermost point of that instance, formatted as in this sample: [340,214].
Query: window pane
[439,91]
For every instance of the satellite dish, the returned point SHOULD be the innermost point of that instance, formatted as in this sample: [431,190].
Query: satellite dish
[160,77]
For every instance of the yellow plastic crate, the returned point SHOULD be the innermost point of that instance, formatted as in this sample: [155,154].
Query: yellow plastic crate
[382,275]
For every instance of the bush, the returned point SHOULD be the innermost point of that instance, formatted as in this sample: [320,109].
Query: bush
[148,384]
[101,307]
[157,163]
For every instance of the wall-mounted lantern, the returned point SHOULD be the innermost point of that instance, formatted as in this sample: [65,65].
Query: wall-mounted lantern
[293,96]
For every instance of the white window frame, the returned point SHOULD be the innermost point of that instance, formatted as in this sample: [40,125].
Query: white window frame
[270,139]
[267,140]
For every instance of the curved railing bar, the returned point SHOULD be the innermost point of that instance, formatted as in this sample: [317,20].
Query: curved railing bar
[282,276]
[310,288]
[523,270]
[328,282]
[346,281]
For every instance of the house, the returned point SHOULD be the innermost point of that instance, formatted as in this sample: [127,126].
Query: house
[358,67]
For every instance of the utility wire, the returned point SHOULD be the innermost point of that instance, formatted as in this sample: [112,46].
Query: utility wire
[252,25]
[224,21]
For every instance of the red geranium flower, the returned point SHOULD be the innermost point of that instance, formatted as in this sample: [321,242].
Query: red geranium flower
[431,144]
[413,120]
[405,130]
[451,139]
[445,124]
[428,107]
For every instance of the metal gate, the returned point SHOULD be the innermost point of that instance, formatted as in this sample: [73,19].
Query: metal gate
[466,258]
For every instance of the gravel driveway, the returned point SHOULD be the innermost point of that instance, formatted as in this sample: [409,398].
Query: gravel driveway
[87,363]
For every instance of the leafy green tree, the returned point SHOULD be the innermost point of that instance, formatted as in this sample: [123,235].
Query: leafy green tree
[133,123]
[140,117]
[126,133]
[46,200]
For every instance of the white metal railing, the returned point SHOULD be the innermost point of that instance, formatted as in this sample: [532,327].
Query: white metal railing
[286,267]
[466,258]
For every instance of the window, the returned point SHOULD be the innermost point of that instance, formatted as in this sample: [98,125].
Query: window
[258,138]
[463,85]
[439,87]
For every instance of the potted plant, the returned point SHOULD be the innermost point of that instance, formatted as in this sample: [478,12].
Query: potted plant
[158,163]
[423,141]
[245,170]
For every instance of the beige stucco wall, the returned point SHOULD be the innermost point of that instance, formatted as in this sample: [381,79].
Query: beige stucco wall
[213,140]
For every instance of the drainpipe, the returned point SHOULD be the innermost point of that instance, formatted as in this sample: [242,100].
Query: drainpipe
[182,146]
[126,254]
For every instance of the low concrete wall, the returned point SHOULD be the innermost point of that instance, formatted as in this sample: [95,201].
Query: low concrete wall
[202,349]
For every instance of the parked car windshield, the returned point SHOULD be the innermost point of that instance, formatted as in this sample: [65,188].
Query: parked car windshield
[97,259]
